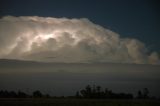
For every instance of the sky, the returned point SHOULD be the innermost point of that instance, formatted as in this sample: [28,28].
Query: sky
[86,41]
[65,79]
[118,31]
[130,18]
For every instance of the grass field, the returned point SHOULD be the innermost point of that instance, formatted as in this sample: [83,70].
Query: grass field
[76,102]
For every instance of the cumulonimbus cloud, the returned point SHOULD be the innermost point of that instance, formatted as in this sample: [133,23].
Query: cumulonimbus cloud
[67,40]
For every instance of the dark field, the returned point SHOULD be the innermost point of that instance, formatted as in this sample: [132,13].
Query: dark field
[76,102]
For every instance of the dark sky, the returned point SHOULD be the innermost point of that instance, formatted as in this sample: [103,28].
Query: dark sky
[65,79]
[130,18]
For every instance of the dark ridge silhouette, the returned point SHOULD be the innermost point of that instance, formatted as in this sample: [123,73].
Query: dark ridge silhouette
[89,92]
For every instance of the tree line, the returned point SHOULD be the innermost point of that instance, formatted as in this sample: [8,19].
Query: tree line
[97,93]
[89,92]
[21,94]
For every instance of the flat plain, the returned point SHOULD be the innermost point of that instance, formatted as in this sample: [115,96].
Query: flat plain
[76,102]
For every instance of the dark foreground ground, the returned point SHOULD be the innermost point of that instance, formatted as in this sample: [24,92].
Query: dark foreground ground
[76,102]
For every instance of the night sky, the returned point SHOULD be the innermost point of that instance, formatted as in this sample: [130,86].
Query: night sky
[46,44]
[130,18]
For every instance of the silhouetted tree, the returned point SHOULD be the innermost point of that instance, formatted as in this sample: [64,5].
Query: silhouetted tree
[97,93]
[145,93]
[6,94]
[13,94]
[107,93]
[21,94]
[139,95]
[37,94]
[77,94]
[98,89]
[2,94]
[47,96]
[88,90]
[86,93]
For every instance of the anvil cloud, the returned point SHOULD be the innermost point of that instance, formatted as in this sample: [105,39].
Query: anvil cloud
[50,39]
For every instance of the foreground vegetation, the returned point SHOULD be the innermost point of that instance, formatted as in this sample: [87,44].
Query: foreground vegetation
[89,96]
[88,92]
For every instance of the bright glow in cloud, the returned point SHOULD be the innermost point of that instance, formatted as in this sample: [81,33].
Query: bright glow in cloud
[67,40]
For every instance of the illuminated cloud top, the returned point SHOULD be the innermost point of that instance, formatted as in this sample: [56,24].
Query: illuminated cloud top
[52,39]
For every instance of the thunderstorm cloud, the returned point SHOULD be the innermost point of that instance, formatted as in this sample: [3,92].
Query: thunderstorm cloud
[50,39]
